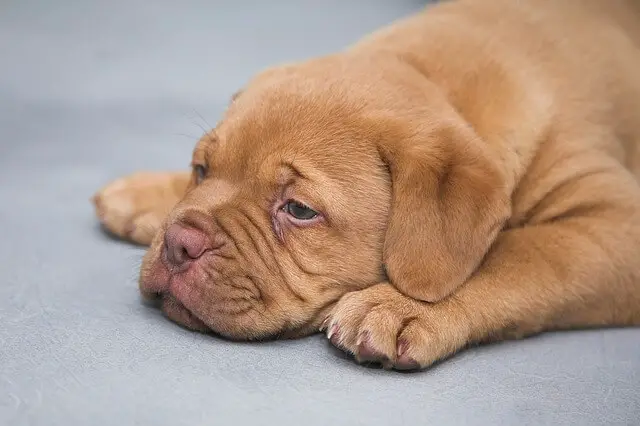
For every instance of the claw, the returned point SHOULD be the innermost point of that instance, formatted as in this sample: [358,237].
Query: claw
[407,363]
[403,345]
[332,331]
[365,352]
[404,361]
[324,324]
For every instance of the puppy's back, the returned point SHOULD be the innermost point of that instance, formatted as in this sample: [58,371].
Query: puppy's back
[528,68]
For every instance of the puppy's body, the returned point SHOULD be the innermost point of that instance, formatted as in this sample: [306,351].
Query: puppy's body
[478,166]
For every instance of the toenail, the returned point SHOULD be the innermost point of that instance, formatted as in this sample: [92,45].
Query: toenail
[403,345]
[334,336]
[332,330]
[367,353]
[406,363]
[324,324]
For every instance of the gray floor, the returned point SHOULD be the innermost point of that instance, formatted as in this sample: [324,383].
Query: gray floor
[92,90]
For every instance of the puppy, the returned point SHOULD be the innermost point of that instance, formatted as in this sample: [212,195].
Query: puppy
[465,175]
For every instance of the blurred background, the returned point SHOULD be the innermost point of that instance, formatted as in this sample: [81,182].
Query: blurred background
[91,90]
[106,73]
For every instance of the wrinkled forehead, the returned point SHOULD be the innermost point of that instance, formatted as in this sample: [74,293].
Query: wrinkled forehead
[276,128]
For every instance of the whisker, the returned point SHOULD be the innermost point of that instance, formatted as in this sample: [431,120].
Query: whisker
[191,137]
[202,118]
[204,131]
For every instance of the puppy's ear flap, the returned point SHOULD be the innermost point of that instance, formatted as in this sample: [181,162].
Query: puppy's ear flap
[449,201]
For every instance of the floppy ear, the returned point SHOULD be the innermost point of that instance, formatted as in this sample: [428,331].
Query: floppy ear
[449,201]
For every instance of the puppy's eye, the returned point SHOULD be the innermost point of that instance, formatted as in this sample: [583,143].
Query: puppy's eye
[299,210]
[200,172]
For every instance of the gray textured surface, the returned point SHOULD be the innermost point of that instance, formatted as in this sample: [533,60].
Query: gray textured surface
[89,91]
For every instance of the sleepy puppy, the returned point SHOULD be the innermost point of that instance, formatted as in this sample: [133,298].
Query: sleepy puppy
[465,175]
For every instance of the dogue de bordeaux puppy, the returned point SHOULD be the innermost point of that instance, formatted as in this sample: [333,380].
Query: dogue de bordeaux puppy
[467,174]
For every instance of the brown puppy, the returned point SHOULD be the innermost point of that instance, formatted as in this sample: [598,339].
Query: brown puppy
[467,174]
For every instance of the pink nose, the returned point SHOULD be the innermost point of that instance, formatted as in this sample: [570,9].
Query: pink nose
[184,244]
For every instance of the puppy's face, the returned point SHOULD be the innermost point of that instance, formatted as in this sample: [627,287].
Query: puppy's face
[291,206]
[285,213]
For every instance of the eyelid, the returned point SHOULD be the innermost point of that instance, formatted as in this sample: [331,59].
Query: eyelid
[293,192]
[200,172]
[286,200]
[199,155]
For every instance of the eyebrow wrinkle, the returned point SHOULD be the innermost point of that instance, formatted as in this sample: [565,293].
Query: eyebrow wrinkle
[293,169]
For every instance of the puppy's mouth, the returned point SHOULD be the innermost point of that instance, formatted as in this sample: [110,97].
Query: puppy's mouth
[175,310]
[174,292]
[213,303]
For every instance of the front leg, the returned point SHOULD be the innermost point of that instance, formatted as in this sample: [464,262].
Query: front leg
[133,207]
[571,268]
[382,325]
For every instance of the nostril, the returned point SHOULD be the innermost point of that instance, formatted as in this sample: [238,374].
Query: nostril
[183,244]
[178,255]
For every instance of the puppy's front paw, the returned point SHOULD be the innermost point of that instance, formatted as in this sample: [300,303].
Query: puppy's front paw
[134,207]
[381,325]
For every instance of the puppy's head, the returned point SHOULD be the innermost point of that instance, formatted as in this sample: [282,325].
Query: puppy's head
[315,183]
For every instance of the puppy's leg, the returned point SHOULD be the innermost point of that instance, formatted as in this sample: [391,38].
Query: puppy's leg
[576,266]
[134,207]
